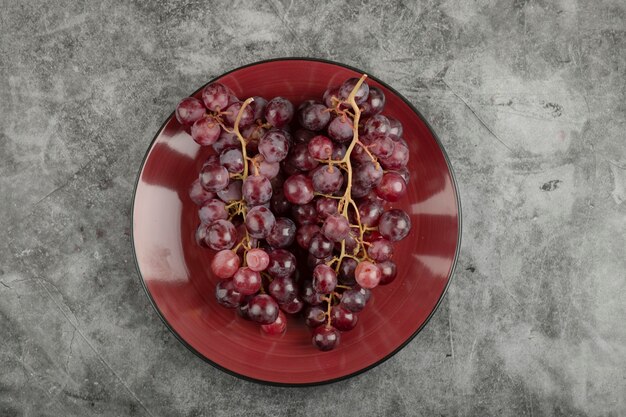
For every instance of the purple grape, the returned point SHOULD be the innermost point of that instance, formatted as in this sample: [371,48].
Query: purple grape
[282,263]
[320,246]
[388,271]
[283,234]
[336,227]
[227,140]
[263,309]
[221,234]
[198,194]
[325,338]
[246,281]
[340,129]
[232,160]
[216,96]
[395,129]
[258,106]
[279,112]
[303,136]
[394,225]
[314,316]
[353,300]
[325,207]
[327,179]
[298,189]
[346,88]
[320,147]
[392,187]
[324,279]
[377,126]
[282,289]
[214,177]
[274,145]
[232,111]
[343,319]
[305,233]
[279,203]
[368,174]
[346,271]
[375,102]
[212,210]
[398,158]
[189,110]
[301,159]
[370,211]
[205,131]
[231,193]
[380,250]
[226,295]
[293,306]
[256,190]
[260,221]
[314,117]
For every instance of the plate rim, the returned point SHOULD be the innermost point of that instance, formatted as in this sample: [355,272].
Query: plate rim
[330,380]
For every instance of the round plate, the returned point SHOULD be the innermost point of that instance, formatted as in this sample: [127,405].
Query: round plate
[175,270]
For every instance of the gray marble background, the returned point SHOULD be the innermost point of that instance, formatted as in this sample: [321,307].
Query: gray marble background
[528,98]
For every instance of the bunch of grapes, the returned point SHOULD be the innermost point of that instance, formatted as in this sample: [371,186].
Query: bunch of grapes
[293,203]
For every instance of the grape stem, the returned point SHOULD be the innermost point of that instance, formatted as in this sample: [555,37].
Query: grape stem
[244,175]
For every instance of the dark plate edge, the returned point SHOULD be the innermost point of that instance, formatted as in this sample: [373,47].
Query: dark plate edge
[360,371]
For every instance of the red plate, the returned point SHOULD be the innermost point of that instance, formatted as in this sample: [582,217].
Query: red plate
[176,274]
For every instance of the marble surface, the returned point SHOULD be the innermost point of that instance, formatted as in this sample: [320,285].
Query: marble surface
[528,98]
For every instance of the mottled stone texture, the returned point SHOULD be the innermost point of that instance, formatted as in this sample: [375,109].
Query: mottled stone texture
[528,98]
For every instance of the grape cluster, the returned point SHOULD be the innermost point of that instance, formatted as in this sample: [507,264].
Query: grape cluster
[293,203]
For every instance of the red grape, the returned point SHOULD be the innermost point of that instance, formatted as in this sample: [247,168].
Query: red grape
[298,189]
[226,294]
[257,259]
[205,131]
[394,225]
[246,281]
[221,234]
[367,274]
[277,327]
[324,279]
[279,112]
[325,338]
[189,110]
[263,309]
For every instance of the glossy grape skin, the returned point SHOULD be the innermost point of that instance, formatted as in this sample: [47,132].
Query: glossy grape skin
[298,189]
[277,327]
[329,94]
[324,279]
[340,129]
[226,295]
[279,112]
[392,187]
[282,289]
[314,316]
[269,169]
[256,190]
[198,194]
[398,159]
[351,243]
[258,107]
[304,214]
[283,234]
[339,151]
[359,189]
[380,146]
[367,274]
[232,160]
[226,140]
[257,259]
[320,147]
[327,179]
[246,281]
[303,136]
[325,207]
[301,159]
[205,131]
[309,295]
[380,250]
[367,293]
[346,88]
[279,203]
[232,111]
[353,300]
[342,318]
[370,211]
[375,102]
[388,270]
[201,234]
[212,210]
[395,131]
[368,174]
[216,96]
[325,338]
[221,234]
[377,126]
[263,309]
[305,233]
[214,177]
[189,110]
[336,227]
[346,271]
[231,193]
[274,145]
[314,117]
[320,246]
[282,263]
[260,221]
[293,306]
[394,225]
